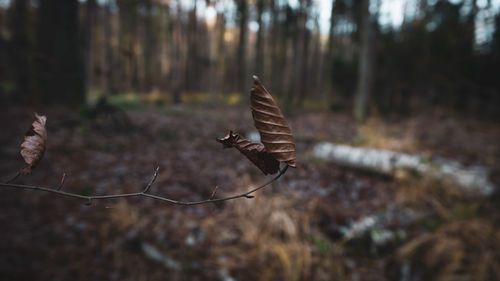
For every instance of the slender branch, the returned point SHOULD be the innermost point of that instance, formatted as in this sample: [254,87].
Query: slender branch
[144,192]
[62,182]
[152,180]
[212,196]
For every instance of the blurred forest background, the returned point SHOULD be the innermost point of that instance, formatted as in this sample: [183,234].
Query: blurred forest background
[392,56]
[131,84]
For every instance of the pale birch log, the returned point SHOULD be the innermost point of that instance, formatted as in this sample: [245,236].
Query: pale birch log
[473,180]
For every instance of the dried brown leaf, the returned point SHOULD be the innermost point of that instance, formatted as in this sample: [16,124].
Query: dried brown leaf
[34,144]
[274,131]
[254,151]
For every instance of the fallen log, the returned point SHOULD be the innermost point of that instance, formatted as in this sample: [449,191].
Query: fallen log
[473,180]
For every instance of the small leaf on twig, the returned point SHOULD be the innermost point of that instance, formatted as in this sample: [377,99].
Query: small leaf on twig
[274,131]
[34,144]
[254,151]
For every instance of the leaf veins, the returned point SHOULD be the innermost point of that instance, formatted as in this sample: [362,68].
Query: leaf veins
[275,134]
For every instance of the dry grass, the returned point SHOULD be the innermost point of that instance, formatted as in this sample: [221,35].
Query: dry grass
[274,231]
[287,232]
[376,133]
[460,250]
[459,238]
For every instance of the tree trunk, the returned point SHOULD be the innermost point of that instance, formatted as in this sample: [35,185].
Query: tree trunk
[110,59]
[60,69]
[192,62]
[178,58]
[221,52]
[242,42]
[89,58]
[128,37]
[305,76]
[331,33]
[327,63]
[149,47]
[259,46]
[20,53]
[300,55]
[366,60]
[275,48]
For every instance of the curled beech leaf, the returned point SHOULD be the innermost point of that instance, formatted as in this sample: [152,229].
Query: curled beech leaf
[254,151]
[33,146]
[274,131]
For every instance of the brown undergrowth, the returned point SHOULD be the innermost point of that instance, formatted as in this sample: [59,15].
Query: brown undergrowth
[290,231]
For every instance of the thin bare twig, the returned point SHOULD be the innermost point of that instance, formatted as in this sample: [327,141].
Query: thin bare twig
[212,196]
[144,192]
[62,182]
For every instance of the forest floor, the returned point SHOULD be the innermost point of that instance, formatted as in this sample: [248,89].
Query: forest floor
[293,230]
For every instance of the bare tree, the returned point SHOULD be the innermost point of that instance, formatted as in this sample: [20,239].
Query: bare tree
[60,64]
[366,61]
[259,45]
[242,7]
[109,72]
[19,51]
